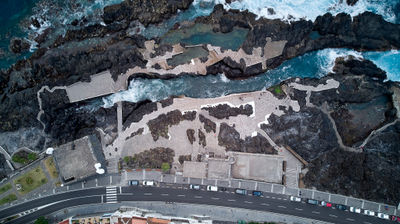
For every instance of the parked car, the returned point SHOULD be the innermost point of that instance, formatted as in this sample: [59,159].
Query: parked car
[326,204]
[312,201]
[368,212]
[341,207]
[257,193]
[212,188]
[382,215]
[133,183]
[194,187]
[241,191]
[223,189]
[395,218]
[148,183]
[354,209]
[296,199]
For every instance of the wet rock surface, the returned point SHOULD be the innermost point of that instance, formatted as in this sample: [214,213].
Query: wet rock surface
[159,126]
[18,45]
[229,138]
[225,111]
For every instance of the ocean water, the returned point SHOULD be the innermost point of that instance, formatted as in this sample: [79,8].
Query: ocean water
[15,17]
[315,64]
[290,10]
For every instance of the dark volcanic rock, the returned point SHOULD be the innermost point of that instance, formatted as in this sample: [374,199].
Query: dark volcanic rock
[159,125]
[202,138]
[373,174]
[209,125]
[69,121]
[18,45]
[190,135]
[146,11]
[351,2]
[134,112]
[309,132]
[153,158]
[366,31]
[225,111]
[229,138]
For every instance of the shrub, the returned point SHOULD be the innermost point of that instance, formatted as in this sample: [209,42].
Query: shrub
[165,167]
[41,220]
[29,180]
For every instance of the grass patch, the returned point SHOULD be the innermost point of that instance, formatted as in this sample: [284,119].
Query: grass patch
[51,167]
[31,180]
[5,188]
[278,90]
[24,157]
[7,199]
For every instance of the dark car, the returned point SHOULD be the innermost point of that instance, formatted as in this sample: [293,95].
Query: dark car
[223,189]
[133,183]
[341,207]
[257,193]
[312,201]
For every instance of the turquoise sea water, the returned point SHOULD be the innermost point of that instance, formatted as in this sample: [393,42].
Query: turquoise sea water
[314,64]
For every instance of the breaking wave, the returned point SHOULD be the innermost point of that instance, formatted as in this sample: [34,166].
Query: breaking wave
[314,65]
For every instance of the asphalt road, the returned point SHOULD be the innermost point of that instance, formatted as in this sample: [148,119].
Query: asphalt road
[269,202]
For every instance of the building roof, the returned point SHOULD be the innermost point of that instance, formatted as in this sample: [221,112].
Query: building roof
[76,160]
[151,220]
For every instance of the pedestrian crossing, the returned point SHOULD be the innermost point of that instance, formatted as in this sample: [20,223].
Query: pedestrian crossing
[111,195]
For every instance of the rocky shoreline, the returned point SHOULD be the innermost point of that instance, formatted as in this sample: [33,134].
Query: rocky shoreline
[329,130]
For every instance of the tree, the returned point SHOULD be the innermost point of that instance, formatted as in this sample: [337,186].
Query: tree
[165,167]
[127,159]
[41,220]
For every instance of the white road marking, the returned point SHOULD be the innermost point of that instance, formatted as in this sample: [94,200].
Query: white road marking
[231,200]
[367,223]
[315,212]
[279,198]
[215,198]
[248,202]
[273,197]
[267,196]
[147,193]
[300,209]
[164,194]
[281,206]
[349,219]
[181,195]
[198,196]
[265,204]
[334,216]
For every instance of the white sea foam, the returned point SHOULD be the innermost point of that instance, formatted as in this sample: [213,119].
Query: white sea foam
[290,10]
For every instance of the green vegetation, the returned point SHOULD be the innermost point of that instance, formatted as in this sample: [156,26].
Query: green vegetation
[51,167]
[41,220]
[165,167]
[7,199]
[5,188]
[24,157]
[278,90]
[31,180]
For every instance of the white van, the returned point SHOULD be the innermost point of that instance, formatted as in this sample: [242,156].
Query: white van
[148,183]
[212,188]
